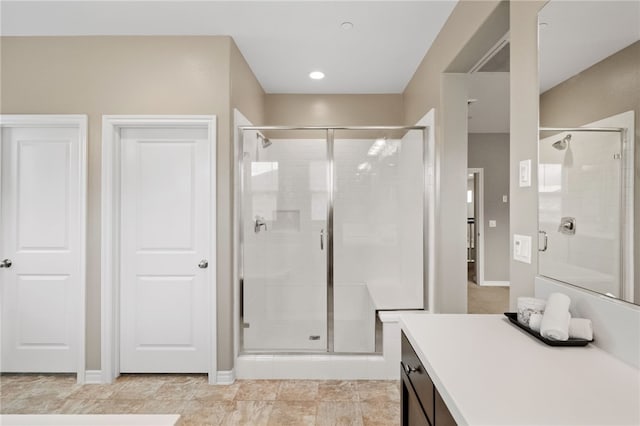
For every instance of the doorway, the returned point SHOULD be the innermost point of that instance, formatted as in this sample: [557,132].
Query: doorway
[475,234]
[42,243]
[158,245]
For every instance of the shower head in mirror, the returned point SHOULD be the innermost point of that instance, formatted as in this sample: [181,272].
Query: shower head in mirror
[265,141]
[563,143]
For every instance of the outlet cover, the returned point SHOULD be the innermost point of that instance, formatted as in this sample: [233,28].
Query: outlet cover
[522,248]
[492,224]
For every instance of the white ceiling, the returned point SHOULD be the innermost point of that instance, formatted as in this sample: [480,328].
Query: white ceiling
[282,41]
[580,34]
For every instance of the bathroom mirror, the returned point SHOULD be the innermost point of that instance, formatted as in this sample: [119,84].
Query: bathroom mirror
[589,145]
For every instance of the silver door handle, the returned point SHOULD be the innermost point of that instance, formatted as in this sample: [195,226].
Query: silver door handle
[408,369]
[546,241]
[6,263]
[259,223]
[322,239]
[203,264]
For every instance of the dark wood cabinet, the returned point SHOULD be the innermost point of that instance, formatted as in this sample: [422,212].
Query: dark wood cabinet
[420,400]
[443,415]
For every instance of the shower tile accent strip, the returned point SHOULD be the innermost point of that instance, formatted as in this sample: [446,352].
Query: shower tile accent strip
[246,402]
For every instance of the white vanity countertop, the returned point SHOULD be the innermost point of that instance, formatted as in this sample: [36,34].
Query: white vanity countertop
[489,372]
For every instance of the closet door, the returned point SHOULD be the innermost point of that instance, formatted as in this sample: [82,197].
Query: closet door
[165,235]
[42,245]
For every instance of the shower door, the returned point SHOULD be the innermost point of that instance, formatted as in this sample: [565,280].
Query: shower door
[284,215]
[579,175]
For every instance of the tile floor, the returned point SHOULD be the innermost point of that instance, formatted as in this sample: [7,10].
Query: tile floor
[246,402]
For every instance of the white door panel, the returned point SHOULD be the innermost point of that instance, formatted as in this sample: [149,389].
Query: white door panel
[165,234]
[41,234]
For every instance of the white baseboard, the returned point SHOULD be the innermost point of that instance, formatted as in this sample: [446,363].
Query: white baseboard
[225,377]
[496,283]
[93,377]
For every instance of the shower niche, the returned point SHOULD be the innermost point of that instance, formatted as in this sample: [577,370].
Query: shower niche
[330,218]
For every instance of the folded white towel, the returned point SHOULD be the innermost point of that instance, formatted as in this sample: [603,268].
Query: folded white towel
[534,322]
[580,328]
[555,321]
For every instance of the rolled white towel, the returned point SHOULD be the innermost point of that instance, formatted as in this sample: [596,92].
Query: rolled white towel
[534,322]
[555,321]
[580,328]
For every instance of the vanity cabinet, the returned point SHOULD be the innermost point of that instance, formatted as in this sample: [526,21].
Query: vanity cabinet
[421,404]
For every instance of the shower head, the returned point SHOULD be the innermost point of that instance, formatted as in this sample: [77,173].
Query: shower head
[563,143]
[265,141]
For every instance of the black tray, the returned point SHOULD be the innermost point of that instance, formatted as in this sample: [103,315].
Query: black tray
[513,317]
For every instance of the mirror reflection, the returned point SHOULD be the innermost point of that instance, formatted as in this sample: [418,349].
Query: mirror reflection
[589,104]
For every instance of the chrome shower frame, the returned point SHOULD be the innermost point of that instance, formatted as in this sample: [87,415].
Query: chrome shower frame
[239,217]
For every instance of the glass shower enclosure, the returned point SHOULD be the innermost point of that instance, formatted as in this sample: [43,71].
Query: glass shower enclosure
[581,199]
[331,231]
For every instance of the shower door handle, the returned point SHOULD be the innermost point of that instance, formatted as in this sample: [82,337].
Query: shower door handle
[322,239]
[546,241]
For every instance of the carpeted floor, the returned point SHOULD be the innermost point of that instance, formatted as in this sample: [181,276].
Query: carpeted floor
[487,299]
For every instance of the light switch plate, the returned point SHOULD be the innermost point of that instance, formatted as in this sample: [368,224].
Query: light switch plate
[525,173]
[505,198]
[522,248]
[492,224]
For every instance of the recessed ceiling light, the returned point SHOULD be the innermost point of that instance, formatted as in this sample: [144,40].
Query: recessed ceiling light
[346,25]
[316,75]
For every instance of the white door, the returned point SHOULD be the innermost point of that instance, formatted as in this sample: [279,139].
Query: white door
[165,239]
[42,244]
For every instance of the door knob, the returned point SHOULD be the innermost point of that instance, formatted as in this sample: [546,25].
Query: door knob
[6,263]
[203,264]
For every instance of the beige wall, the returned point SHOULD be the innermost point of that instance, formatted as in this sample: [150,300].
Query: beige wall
[524,86]
[490,151]
[609,87]
[465,34]
[130,75]
[333,110]
[471,30]
[330,110]
[248,97]
[423,91]
[246,93]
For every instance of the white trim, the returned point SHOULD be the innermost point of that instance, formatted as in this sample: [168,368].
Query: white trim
[93,377]
[496,283]
[226,377]
[480,224]
[429,257]
[239,119]
[110,340]
[80,121]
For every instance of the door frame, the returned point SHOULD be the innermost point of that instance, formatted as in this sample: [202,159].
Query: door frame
[110,241]
[80,122]
[479,228]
